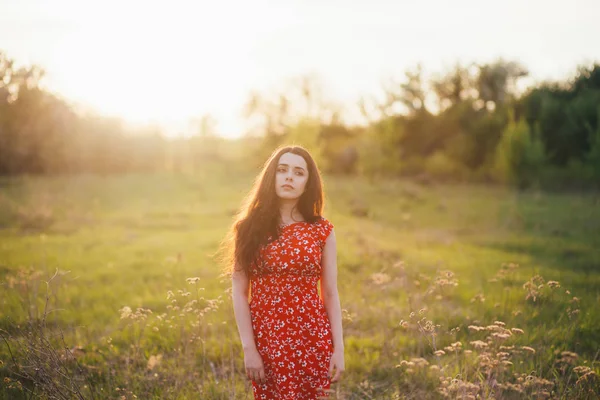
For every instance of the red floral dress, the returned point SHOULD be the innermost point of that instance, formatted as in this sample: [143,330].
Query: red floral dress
[291,327]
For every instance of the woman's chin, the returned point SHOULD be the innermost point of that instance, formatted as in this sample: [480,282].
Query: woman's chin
[287,196]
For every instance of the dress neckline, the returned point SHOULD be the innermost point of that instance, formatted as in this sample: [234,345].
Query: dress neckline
[291,224]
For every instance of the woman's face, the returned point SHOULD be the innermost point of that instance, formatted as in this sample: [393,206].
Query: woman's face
[291,176]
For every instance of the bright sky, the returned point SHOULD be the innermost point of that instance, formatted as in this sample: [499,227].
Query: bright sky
[167,61]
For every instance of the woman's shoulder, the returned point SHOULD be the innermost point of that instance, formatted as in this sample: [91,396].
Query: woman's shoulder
[324,227]
[322,221]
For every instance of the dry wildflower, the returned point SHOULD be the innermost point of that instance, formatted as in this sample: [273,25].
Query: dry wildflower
[533,287]
[446,278]
[170,295]
[454,347]
[505,271]
[478,344]
[429,326]
[193,281]
[553,284]
[500,336]
[434,368]
[574,300]
[365,384]
[588,376]
[412,315]
[154,361]
[507,363]
[347,316]
[499,323]
[125,312]
[479,298]
[517,330]
[582,369]
[404,324]
[476,328]
[571,312]
[422,311]
[540,384]
[568,357]
[439,353]
[497,328]
[569,354]
[419,362]
[379,278]
[529,349]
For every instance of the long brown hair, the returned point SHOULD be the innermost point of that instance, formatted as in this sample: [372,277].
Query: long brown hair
[259,218]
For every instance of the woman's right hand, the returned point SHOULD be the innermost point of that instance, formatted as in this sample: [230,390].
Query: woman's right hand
[255,368]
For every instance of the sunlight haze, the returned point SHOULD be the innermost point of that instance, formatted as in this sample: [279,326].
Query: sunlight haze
[167,62]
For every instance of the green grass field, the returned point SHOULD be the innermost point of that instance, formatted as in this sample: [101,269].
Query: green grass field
[448,254]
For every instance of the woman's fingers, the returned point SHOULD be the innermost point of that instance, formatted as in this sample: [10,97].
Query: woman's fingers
[338,374]
[250,373]
[262,377]
[256,374]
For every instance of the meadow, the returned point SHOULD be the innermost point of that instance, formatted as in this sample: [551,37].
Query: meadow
[110,288]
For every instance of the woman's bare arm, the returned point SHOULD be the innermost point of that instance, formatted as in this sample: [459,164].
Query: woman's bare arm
[241,308]
[255,369]
[329,290]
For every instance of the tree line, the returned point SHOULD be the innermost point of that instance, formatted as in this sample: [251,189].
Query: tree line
[471,123]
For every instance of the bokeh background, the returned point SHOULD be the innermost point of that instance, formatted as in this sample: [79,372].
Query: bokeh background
[460,149]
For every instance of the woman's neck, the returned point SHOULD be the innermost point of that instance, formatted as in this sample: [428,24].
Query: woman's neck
[288,212]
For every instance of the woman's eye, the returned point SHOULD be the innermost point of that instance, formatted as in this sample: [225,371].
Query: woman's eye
[299,173]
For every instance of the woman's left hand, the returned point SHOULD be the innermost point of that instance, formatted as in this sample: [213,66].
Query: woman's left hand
[337,362]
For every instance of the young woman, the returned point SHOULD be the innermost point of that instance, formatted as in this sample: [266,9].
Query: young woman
[282,247]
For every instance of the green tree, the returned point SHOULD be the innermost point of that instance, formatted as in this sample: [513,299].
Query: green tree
[520,155]
[592,157]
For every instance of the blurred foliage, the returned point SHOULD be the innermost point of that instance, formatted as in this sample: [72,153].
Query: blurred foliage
[452,126]
[520,154]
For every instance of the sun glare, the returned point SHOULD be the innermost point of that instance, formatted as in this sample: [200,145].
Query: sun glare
[156,69]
